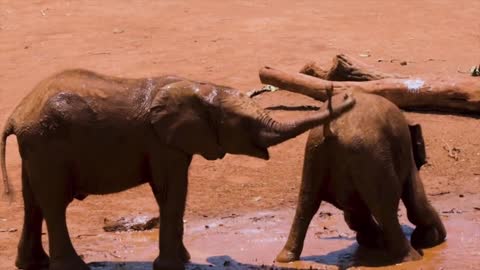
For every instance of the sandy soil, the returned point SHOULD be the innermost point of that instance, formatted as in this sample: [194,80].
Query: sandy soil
[226,42]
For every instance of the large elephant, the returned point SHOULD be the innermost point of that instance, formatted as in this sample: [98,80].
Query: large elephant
[364,164]
[82,133]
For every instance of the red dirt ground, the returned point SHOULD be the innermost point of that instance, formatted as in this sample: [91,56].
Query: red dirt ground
[226,42]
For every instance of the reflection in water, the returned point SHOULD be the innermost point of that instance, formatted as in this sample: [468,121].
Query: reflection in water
[250,241]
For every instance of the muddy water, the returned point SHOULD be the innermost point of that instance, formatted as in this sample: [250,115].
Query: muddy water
[251,241]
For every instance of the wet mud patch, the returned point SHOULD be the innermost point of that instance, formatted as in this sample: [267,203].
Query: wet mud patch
[251,241]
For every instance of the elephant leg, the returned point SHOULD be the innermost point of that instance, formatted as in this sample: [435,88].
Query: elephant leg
[368,232]
[51,188]
[31,254]
[309,200]
[382,198]
[308,205]
[429,229]
[170,189]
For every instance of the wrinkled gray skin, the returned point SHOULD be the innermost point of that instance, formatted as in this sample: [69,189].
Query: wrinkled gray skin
[365,168]
[82,133]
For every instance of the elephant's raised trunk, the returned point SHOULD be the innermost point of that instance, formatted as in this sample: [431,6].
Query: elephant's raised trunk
[274,132]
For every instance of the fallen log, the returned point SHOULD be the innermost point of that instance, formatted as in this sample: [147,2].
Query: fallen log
[125,224]
[452,95]
[346,68]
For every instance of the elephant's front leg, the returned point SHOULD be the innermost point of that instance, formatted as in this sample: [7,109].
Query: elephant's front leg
[170,189]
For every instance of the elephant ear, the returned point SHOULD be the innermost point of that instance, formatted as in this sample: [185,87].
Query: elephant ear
[181,120]
[418,145]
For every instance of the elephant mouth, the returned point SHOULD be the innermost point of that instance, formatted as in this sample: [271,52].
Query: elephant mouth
[264,154]
[219,155]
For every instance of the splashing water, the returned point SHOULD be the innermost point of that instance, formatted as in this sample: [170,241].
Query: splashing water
[414,85]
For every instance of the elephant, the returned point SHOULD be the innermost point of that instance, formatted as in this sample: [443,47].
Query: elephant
[363,164]
[83,133]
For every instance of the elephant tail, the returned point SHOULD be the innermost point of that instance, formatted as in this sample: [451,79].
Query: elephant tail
[7,131]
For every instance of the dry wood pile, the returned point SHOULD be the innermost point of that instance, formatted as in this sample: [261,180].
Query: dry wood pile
[453,94]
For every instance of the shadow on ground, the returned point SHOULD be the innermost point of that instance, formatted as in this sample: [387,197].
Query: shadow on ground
[213,263]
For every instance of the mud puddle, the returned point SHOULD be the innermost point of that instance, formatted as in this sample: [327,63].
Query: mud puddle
[251,241]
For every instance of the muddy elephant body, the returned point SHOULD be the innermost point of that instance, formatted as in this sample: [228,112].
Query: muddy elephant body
[82,133]
[365,168]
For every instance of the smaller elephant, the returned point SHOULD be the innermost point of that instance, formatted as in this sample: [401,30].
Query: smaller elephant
[81,133]
[364,164]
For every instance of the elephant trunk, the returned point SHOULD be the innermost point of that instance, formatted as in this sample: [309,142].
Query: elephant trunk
[274,132]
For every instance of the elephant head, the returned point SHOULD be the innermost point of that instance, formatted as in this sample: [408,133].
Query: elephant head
[211,120]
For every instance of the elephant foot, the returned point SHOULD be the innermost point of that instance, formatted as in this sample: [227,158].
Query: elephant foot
[287,256]
[166,264]
[426,237]
[397,255]
[382,257]
[71,263]
[412,255]
[373,240]
[32,261]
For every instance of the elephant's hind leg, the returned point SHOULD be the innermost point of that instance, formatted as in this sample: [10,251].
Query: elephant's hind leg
[430,230]
[53,191]
[306,209]
[309,199]
[361,221]
[31,254]
[381,194]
